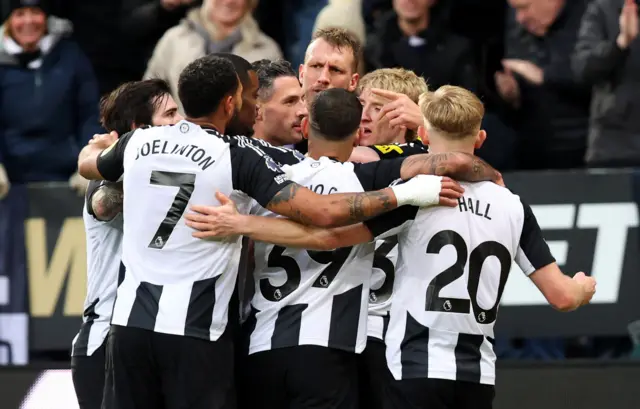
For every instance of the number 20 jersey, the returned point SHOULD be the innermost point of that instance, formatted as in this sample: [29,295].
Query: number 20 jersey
[310,297]
[453,265]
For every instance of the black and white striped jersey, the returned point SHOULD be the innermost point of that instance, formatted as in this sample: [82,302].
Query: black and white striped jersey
[174,283]
[384,270]
[316,298]
[104,251]
[453,265]
[386,255]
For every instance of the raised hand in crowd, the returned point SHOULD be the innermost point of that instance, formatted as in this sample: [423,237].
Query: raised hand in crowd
[400,111]
[628,24]
[508,87]
[526,69]
[5,185]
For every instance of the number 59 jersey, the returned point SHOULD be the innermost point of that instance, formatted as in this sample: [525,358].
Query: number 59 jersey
[453,265]
[310,297]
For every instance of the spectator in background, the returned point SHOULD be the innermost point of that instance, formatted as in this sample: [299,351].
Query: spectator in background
[416,36]
[48,96]
[280,104]
[608,57]
[118,36]
[219,26]
[550,107]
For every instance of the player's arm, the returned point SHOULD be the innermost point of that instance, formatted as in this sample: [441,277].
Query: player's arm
[97,163]
[225,221]
[257,175]
[535,260]
[104,199]
[457,165]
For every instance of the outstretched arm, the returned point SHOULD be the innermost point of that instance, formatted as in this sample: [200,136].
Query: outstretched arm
[225,221]
[457,165]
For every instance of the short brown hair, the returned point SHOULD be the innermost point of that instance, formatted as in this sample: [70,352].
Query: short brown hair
[341,38]
[452,112]
[132,104]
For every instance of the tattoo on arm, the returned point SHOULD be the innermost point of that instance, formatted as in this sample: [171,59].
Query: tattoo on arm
[457,165]
[107,201]
[339,209]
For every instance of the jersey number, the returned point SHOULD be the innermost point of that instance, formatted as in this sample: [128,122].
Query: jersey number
[185,182]
[476,260]
[333,259]
[381,262]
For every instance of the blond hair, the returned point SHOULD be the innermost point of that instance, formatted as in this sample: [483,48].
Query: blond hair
[396,80]
[452,112]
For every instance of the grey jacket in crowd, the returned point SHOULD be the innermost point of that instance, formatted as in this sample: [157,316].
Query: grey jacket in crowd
[614,134]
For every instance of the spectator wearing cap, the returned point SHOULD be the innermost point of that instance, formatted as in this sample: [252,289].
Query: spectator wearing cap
[48,96]
[216,27]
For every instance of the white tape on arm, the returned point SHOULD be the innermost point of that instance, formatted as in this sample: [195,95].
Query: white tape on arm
[421,191]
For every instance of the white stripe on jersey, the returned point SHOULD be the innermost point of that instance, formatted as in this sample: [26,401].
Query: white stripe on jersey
[384,267]
[104,254]
[453,264]
[174,283]
[312,298]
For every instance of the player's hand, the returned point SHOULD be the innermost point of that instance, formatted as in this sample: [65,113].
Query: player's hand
[450,192]
[401,111]
[170,4]
[214,222]
[103,141]
[588,285]
[428,190]
[5,185]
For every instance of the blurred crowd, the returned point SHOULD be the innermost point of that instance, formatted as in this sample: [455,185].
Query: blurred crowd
[558,77]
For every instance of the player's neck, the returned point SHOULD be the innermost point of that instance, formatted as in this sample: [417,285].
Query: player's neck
[219,125]
[258,133]
[451,147]
[340,151]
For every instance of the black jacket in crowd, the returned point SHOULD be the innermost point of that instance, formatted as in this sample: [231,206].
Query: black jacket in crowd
[614,134]
[552,120]
[437,54]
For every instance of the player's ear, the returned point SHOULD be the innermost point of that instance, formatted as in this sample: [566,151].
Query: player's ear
[305,127]
[354,82]
[423,135]
[301,73]
[480,138]
[229,105]
[258,112]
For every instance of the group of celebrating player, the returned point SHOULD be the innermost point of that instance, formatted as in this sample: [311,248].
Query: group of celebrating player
[232,271]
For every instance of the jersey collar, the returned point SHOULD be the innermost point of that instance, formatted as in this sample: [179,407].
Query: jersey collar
[211,130]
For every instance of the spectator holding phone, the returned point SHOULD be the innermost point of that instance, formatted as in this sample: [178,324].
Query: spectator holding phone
[607,56]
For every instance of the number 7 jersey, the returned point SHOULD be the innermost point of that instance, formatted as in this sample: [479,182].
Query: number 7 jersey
[453,265]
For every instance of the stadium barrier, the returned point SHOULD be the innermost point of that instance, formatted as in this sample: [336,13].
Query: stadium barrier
[520,385]
[590,220]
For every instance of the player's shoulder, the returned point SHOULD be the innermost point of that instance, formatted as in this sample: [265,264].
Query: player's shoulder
[497,194]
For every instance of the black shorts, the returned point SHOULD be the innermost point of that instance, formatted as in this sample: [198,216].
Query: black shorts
[441,394]
[374,377]
[87,373]
[149,370]
[301,377]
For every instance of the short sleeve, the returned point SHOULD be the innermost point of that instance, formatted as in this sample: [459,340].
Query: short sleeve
[281,155]
[392,223]
[533,252]
[400,150]
[111,161]
[256,174]
[378,175]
